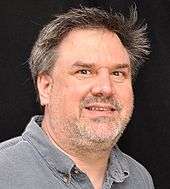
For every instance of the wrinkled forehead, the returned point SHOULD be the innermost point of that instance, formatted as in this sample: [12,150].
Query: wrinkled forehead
[96,46]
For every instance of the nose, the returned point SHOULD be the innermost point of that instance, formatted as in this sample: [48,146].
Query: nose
[103,85]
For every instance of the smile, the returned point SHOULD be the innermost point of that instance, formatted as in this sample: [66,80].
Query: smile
[99,108]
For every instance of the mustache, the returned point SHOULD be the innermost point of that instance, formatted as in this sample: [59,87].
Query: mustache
[102,99]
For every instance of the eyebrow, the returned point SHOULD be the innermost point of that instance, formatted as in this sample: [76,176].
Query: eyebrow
[84,65]
[92,65]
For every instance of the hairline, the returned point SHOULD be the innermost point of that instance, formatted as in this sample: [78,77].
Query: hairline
[56,48]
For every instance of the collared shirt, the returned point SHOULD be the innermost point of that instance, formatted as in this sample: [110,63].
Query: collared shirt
[31,161]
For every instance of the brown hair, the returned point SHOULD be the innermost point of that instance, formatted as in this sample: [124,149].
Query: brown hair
[132,35]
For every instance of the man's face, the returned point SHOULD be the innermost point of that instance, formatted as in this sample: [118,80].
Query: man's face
[91,98]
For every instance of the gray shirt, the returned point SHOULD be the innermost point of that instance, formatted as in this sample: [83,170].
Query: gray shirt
[31,161]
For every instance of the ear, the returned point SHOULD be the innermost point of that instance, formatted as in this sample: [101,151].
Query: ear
[44,85]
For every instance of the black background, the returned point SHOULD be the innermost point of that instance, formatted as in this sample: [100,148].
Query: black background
[148,134]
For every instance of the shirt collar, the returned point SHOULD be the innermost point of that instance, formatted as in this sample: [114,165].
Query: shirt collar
[56,160]
[118,168]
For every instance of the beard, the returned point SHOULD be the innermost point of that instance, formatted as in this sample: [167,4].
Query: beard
[94,135]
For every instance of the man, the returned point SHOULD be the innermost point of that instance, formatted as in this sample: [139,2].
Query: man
[83,65]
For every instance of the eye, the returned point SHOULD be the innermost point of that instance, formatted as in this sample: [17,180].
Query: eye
[118,73]
[119,76]
[83,72]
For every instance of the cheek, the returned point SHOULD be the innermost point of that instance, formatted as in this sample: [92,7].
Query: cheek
[74,90]
[126,95]
[129,101]
[67,95]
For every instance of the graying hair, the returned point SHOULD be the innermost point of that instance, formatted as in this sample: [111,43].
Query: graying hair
[132,35]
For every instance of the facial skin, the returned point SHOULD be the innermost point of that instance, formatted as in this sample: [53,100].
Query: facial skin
[88,96]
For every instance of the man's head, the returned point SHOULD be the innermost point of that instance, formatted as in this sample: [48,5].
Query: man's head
[82,65]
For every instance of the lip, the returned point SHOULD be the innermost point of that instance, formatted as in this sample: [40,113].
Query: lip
[100,107]
[96,110]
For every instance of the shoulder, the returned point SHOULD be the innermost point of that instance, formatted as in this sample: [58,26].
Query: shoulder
[138,172]
[12,152]
[9,145]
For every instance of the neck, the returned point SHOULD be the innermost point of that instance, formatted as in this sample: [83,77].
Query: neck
[93,163]
[94,166]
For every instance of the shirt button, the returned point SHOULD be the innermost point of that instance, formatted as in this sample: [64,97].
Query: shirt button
[66,178]
[76,171]
[126,173]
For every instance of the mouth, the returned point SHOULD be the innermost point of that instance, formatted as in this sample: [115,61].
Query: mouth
[96,110]
[99,108]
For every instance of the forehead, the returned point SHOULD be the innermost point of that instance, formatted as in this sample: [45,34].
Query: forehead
[97,46]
